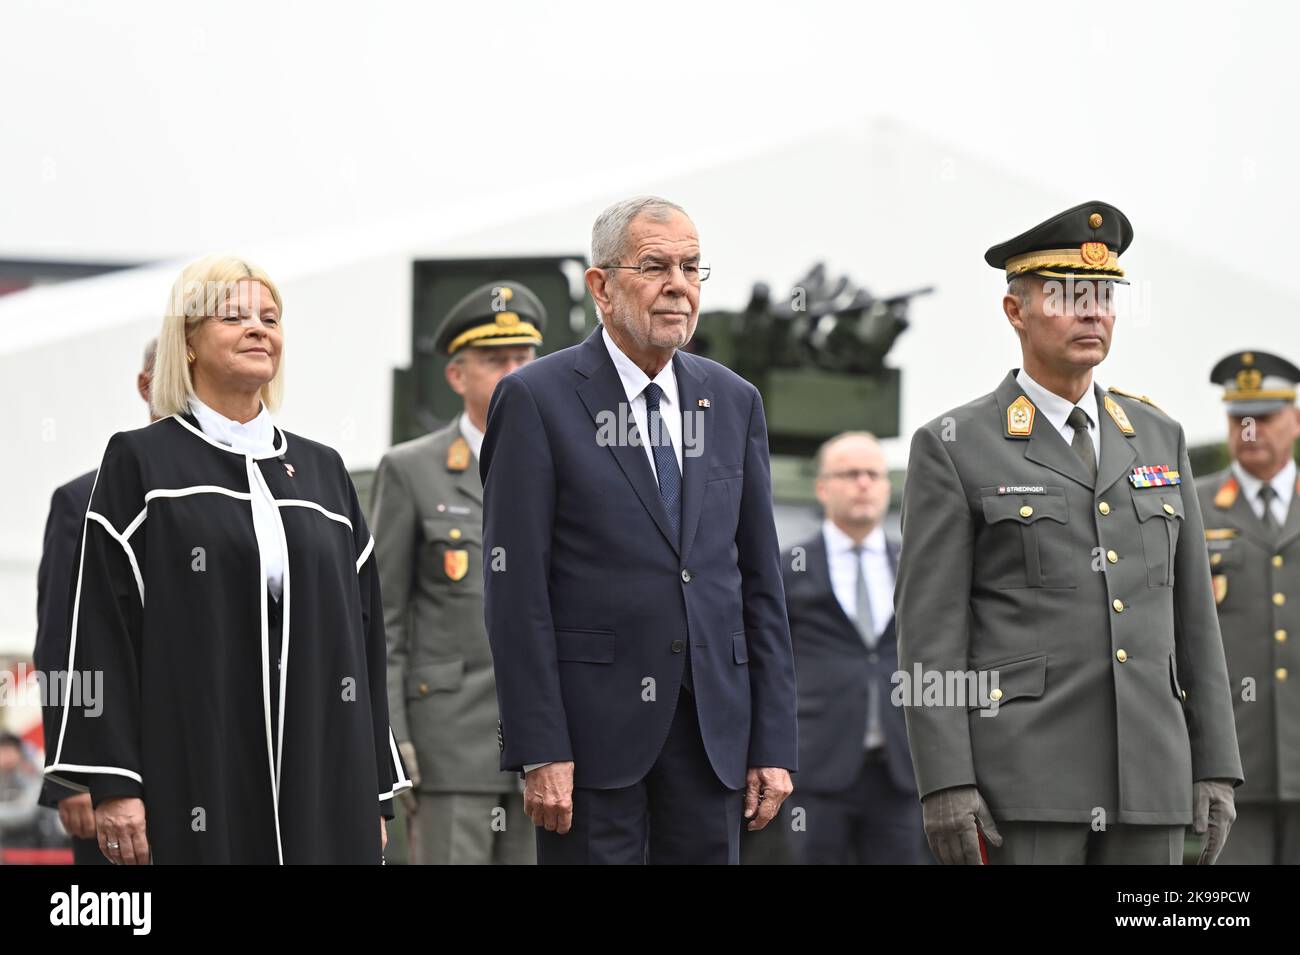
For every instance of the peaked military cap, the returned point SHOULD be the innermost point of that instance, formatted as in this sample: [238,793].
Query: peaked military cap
[1255,382]
[1084,242]
[499,313]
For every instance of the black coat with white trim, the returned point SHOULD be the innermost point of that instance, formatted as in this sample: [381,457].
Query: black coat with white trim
[171,607]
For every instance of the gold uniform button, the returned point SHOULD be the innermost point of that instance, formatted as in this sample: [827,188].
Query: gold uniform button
[1216,560]
[995,695]
[1118,605]
[1280,673]
[424,689]
[1121,655]
[1279,599]
[454,533]
[1104,507]
[1112,556]
[1169,508]
[1279,636]
[1277,560]
[1026,511]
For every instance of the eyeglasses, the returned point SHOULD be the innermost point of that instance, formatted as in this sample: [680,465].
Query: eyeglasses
[854,474]
[656,270]
[247,321]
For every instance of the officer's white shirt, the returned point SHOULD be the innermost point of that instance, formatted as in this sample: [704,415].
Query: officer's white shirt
[875,567]
[253,437]
[1283,483]
[670,409]
[471,434]
[1057,410]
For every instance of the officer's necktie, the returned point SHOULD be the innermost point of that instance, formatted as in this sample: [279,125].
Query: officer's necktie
[867,630]
[1269,519]
[1082,442]
[661,445]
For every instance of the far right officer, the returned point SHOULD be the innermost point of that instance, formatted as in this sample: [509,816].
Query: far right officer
[1252,530]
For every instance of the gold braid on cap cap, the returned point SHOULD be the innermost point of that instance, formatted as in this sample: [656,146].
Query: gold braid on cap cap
[516,333]
[1091,256]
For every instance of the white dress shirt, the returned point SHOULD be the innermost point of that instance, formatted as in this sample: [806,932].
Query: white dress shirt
[1283,483]
[670,408]
[254,437]
[1057,410]
[843,565]
[471,434]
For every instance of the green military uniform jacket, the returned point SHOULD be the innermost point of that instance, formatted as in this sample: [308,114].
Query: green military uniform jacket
[428,527]
[1093,604]
[1257,586]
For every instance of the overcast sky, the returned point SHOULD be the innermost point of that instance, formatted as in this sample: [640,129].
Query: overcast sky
[148,130]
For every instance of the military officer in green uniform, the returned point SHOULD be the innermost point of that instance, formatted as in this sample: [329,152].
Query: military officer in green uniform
[1252,531]
[1053,580]
[428,504]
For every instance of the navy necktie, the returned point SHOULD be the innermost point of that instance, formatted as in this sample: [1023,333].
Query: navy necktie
[661,446]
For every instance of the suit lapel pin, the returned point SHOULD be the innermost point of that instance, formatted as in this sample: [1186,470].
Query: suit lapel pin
[289,468]
[703,402]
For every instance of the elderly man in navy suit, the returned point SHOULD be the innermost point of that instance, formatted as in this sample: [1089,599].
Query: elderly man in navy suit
[632,575]
[856,783]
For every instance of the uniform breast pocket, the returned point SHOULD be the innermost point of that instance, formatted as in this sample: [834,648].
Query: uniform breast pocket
[452,551]
[1160,515]
[1029,539]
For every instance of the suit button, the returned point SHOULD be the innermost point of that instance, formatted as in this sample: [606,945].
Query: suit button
[454,533]
[1118,605]
[679,646]
[1026,511]
[686,576]
[1279,599]
[1104,507]
[1121,655]
[1280,673]
[1277,560]
[1169,508]
[1279,636]
[424,689]
[873,656]
[1112,556]
[995,695]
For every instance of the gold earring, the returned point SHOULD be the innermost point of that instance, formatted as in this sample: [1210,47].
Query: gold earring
[191,356]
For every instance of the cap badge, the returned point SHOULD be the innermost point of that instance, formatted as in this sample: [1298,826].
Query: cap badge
[1094,254]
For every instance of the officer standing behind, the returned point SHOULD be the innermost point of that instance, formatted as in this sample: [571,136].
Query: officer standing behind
[1051,543]
[1252,530]
[428,503]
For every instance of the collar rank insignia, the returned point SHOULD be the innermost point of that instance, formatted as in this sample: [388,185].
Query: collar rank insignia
[1020,417]
[288,468]
[1154,475]
[458,455]
[1226,495]
[1117,414]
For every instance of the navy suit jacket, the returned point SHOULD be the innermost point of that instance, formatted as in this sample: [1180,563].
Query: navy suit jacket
[55,583]
[835,668]
[589,602]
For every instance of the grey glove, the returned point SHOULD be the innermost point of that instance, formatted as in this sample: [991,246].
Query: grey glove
[950,817]
[1213,812]
[410,799]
